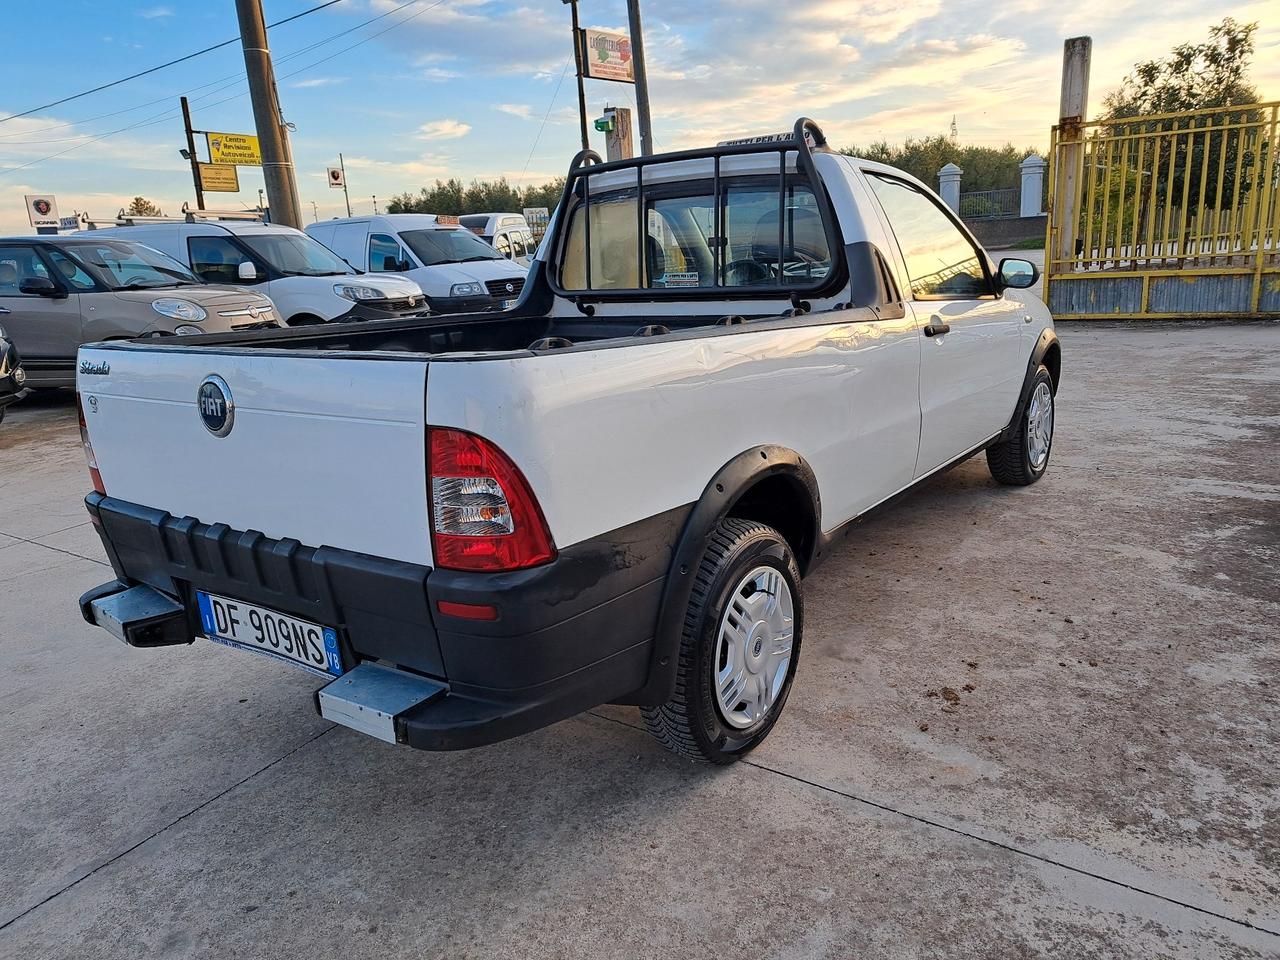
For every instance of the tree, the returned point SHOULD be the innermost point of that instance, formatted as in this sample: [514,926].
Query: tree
[1195,76]
[1215,169]
[142,207]
[482,196]
[985,168]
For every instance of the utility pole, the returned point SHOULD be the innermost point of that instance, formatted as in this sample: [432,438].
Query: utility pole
[343,167]
[273,136]
[191,154]
[1068,165]
[315,212]
[642,79]
[375,204]
[577,60]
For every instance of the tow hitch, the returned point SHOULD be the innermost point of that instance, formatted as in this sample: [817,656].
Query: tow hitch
[141,616]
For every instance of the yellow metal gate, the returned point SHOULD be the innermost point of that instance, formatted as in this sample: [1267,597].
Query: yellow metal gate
[1170,215]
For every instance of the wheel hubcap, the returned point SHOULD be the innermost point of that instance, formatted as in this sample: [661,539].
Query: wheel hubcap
[1039,425]
[753,647]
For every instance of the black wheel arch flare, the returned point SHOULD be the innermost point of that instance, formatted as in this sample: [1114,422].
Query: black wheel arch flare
[763,464]
[1047,342]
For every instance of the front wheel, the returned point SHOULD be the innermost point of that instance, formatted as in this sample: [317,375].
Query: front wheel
[738,649]
[1022,457]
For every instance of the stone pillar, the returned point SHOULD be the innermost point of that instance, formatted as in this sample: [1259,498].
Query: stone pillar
[1032,186]
[949,186]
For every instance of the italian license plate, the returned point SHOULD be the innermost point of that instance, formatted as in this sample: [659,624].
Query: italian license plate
[508,304]
[235,623]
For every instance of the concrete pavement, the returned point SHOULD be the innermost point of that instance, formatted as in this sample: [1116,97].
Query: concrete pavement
[1036,722]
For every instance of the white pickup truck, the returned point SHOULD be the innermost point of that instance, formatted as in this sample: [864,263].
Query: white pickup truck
[476,525]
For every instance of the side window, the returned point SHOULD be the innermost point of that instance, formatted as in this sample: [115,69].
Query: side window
[502,243]
[941,262]
[385,254]
[18,263]
[72,273]
[216,259]
[518,248]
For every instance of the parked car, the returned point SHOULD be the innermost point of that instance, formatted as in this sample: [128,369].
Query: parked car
[57,292]
[459,272]
[12,377]
[509,233]
[308,282]
[611,493]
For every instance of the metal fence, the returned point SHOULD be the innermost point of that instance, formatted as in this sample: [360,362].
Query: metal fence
[1166,215]
[989,204]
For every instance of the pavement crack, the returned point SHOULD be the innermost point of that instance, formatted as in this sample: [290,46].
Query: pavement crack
[1017,851]
[69,553]
[194,810]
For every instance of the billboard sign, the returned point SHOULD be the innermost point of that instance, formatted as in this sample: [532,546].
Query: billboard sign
[239,148]
[607,56]
[42,210]
[219,178]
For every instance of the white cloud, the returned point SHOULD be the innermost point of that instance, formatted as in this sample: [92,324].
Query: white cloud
[448,129]
[318,82]
[155,13]
[521,110]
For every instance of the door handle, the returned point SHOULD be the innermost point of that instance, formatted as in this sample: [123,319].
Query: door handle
[936,328]
[4,311]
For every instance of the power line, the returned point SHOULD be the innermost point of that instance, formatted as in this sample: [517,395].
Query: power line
[143,73]
[546,116]
[233,77]
[160,118]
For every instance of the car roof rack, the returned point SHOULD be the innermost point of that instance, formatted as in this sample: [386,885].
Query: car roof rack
[123,219]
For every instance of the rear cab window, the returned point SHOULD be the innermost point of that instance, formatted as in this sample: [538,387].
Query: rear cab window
[758,234]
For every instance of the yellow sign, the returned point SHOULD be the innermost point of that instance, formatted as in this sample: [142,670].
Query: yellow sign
[219,178]
[234,148]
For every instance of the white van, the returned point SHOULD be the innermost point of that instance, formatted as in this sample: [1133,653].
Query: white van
[306,280]
[509,233]
[458,271]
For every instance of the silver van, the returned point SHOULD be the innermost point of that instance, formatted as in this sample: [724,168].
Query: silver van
[59,292]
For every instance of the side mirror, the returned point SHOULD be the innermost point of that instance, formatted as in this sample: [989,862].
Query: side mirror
[390,264]
[39,286]
[246,270]
[1018,274]
[405,266]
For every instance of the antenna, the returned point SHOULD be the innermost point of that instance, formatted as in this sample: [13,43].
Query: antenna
[955,131]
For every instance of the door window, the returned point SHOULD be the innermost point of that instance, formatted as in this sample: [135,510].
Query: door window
[502,244]
[72,273]
[385,254]
[518,248]
[18,263]
[217,260]
[942,263]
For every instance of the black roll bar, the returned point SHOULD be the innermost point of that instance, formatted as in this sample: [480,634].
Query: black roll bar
[806,137]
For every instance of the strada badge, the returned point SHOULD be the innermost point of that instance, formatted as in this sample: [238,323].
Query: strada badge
[217,409]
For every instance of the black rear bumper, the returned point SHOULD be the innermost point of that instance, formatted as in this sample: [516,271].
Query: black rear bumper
[569,635]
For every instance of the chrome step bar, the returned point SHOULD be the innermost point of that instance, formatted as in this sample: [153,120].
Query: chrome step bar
[370,698]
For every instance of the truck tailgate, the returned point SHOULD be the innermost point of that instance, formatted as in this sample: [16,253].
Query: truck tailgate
[329,451]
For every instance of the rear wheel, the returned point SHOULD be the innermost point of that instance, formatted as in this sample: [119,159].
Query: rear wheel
[738,649]
[1022,457]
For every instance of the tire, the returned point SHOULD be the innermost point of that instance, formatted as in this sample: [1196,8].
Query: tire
[1023,457]
[742,561]
[304,320]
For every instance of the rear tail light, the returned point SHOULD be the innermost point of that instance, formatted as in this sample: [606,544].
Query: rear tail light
[92,461]
[483,514]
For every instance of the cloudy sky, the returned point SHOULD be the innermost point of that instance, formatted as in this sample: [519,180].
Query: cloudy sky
[485,88]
